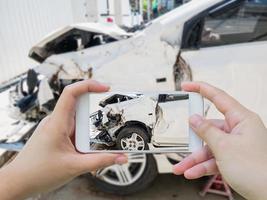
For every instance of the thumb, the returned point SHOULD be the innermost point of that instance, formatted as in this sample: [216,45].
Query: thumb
[207,131]
[92,162]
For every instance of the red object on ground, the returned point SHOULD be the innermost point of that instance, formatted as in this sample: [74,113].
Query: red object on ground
[216,185]
[109,20]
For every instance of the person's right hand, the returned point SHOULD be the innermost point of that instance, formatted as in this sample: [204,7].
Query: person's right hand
[236,146]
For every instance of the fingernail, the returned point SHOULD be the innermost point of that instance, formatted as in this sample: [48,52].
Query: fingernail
[196,121]
[120,160]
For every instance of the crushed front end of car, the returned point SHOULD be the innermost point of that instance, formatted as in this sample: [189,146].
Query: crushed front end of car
[105,122]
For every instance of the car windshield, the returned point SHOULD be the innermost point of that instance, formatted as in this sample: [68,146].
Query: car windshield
[116,98]
[73,40]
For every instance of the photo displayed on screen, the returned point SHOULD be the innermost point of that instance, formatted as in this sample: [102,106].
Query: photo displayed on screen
[138,121]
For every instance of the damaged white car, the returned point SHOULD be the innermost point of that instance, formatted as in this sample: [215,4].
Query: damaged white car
[35,96]
[133,121]
[223,42]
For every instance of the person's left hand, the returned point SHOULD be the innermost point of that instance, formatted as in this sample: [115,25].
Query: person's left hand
[49,158]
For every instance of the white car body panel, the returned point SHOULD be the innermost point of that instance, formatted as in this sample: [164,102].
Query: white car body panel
[171,127]
[128,110]
[235,73]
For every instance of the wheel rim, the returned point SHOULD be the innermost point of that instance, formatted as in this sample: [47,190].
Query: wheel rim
[133,142]
[123,175]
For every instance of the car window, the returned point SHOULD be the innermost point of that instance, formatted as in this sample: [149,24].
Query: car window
[162,98]
[116,98]
[75,40]
[245,23]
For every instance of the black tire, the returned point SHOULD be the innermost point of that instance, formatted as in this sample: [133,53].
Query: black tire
[128,131]
[148,176]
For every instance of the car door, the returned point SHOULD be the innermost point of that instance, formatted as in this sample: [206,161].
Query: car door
[171,127]
[227,47]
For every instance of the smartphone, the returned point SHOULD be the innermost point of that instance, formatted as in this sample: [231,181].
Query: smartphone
[137,122]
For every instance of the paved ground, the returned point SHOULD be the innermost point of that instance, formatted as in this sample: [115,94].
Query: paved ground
[164,187]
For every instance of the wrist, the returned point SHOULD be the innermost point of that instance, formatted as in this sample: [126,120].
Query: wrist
[5,177]
[10,184]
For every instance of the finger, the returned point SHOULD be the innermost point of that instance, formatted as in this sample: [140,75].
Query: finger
[223,102]
[206,168]
[207,131]
[193,159]
[66,104]
[220,124]
[92,162]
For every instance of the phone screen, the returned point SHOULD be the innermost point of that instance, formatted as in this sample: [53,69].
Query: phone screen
[138,121]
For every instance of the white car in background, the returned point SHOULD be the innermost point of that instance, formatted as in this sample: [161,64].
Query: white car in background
[223,42]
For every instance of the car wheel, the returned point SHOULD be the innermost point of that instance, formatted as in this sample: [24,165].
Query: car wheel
[129,178]
[132,138]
